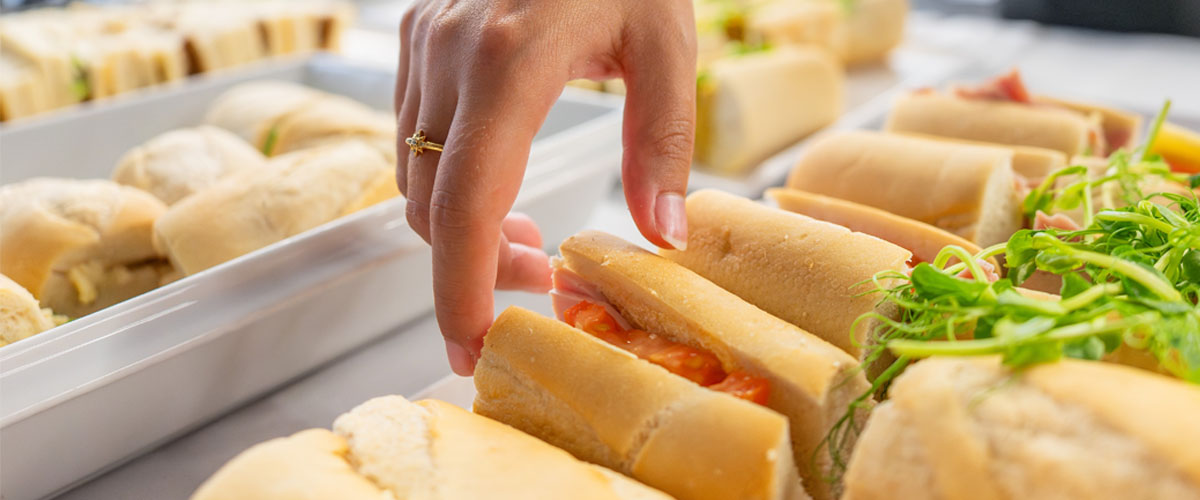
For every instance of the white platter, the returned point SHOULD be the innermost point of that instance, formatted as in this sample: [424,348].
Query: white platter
[84,397]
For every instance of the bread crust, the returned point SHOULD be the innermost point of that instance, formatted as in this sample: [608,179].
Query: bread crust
[812,381]
[966,190]
[246,212]
[1000,122]
[968,428]
[808,272]
[605,406]
[181,162]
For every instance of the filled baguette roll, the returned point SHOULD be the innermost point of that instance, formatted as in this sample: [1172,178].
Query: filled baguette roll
[290,194]
[389,448]
[1030,164]
[747,351]
[965,189]
[606,406]
[185,161]
[860,32]
[958,428]
[808,272]
[250,110]
[752,106]
[80,245]
[923,240]
[1003,111]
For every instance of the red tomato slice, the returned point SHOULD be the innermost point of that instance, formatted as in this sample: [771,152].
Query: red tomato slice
[698,366]
[643,344]
[746,386]
[591,318]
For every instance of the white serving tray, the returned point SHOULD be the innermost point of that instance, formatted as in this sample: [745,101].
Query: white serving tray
[84,397]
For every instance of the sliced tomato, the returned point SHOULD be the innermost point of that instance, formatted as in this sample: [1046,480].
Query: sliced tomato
[745,386]
[701,367]
[643,344]
[591,318]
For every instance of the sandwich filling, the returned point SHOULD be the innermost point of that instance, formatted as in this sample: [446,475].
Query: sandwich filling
[579,304]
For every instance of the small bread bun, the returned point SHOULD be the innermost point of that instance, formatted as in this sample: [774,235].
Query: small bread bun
[250,110]
[967,190]
[970,428]
[289,195]
[181,162]
[20,314]
[79,245]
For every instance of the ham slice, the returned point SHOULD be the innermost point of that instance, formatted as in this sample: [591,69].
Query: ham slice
[1064,222]
[1006,87]
[570,289]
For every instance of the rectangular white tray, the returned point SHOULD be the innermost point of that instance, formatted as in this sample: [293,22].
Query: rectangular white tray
[84,397]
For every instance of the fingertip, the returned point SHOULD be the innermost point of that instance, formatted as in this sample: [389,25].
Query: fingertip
[461,360]
[670,219]
[525,268]
[520,228]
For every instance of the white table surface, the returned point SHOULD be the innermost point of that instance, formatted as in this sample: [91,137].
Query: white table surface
[1137,71]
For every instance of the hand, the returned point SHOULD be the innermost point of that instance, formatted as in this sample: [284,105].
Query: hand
[480,76]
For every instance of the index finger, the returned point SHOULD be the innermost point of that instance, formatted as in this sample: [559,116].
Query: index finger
[477,182]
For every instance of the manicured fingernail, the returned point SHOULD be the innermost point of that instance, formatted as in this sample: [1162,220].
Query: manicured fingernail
[461,360]
[670,218]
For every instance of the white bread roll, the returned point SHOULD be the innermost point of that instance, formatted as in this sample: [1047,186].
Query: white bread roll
[1122,129]
[964,189]
[1031,164]
[752,106]
[79,245]
[390,449]
[606,406]
[923,240]
[289,195]
[870,29]
[181,162]
[863,31]
[808,272]
[20,314]
[251,109]
[432,449]
[970,429]
[1002,122]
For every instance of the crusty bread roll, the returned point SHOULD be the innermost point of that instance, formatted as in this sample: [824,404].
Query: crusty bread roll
[79,245]
[181,162]
[967,190]
[289,195]
[1003,122]
[280,117]
[971,429]
[250,110]
[870,30]
[1031,164]
[1122,129]
[389,448]
[812,381]
[808,272]
[923,240]
[20,314]
[752,106]
[606,406]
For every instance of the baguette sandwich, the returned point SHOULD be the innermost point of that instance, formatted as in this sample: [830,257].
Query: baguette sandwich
[965,189]
[959,428]
[80,245]
[185,161]
[290,194]
[1003,111]
[389,448]
[599,394]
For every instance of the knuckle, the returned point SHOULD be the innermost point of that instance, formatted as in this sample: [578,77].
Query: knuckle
[672,140]
[447,212]
[417,214]
[500,39]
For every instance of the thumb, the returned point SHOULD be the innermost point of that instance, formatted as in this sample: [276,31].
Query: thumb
[659,66]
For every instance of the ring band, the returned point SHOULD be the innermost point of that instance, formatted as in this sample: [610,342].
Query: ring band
[418,144]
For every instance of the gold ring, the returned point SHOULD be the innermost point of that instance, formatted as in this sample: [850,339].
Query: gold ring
[417,144]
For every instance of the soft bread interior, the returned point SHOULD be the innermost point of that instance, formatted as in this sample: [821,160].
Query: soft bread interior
[811,273]
[969,428]
[812,381]
[20,314]
[605,406]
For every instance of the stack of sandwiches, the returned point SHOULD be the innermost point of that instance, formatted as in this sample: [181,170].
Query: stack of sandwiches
[57,57]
